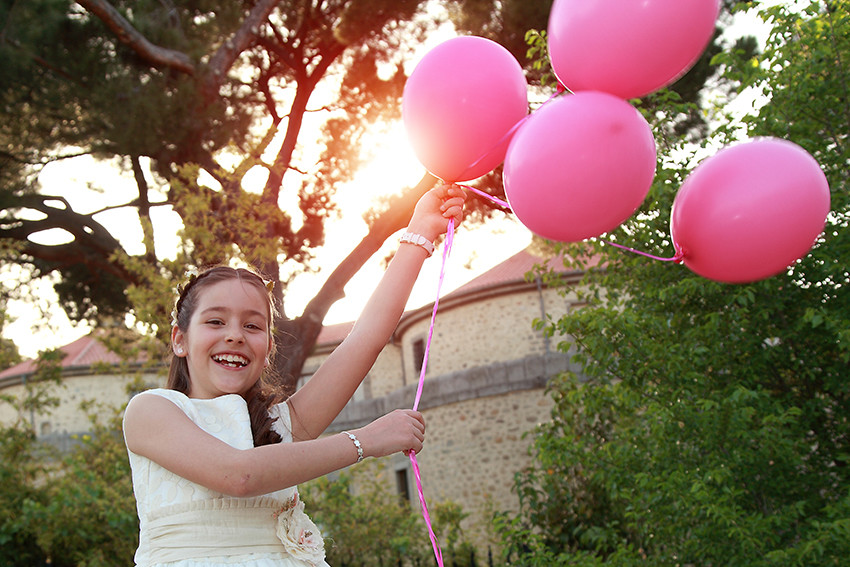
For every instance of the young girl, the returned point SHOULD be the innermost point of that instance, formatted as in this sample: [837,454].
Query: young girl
[214,464]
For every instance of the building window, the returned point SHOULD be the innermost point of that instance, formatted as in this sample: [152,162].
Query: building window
[402,485]
[418,354]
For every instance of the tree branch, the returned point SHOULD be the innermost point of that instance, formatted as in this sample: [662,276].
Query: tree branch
[93,246]
[226,54]
[132,38]
[133,203]
[43,62]
[298,336]
[80,225]
[144,206]
[392,220]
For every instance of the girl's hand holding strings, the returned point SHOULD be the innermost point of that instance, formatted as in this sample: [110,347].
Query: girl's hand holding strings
[435,208]
[402,430]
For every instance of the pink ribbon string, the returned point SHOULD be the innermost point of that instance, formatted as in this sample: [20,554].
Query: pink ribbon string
[446,250]
[678,257]
[438,553]
[487,196]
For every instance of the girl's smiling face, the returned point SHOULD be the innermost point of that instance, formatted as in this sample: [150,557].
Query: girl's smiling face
[227,341]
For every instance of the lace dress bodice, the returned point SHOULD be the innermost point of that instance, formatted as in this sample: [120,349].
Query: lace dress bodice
[184,524]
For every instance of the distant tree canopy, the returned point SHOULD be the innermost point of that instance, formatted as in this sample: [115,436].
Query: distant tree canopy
[712,428]
[177,93]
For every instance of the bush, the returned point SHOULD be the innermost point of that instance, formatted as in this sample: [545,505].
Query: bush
[367,525]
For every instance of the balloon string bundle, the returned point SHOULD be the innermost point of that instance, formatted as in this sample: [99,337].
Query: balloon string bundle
[438,553]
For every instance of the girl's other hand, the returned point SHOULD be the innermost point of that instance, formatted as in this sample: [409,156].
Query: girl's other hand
[397,432]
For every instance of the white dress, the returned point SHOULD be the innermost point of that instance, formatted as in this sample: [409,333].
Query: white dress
[183,524]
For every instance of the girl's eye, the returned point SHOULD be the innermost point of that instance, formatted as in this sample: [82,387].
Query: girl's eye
[215,322]
[254,327]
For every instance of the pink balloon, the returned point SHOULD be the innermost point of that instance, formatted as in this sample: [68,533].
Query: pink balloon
[749,211]
[629,48]
[459,105]
[579,166]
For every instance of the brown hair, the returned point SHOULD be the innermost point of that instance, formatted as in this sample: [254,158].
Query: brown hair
[263,394]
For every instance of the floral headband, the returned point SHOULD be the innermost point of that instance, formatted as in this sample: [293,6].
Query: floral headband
[192,275]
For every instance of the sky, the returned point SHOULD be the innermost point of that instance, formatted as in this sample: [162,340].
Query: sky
[90,185]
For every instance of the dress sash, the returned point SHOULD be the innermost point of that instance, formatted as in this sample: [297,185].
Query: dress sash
[211,528]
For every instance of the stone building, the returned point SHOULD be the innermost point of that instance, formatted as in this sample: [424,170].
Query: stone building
[484,386]
[90,372]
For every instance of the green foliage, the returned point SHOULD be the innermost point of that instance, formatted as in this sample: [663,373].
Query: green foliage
[73,509]
[709,427]
[87,515]
[365,524]
[9,354]
[153,89]
[20,467]
[538,54]
[504,21]
[40,391]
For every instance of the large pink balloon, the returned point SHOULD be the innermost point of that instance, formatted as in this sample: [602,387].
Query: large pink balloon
[459,105]
[629,48]
[579,166]
[749,211]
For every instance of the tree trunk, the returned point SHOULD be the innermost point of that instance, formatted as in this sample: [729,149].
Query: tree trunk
[297,337]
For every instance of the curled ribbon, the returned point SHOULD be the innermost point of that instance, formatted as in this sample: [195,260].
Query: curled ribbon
[438,553]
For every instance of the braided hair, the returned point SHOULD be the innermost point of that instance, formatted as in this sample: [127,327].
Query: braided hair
[263,394]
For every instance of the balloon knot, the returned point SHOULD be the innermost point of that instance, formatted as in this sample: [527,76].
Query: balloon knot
[679,256]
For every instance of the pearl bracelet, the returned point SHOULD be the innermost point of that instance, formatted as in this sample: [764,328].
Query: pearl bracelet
[417,240]
[356,444]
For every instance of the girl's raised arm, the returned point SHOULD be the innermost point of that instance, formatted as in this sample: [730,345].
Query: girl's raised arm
[319,401]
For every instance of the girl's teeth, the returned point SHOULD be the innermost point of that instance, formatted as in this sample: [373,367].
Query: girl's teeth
[231,360]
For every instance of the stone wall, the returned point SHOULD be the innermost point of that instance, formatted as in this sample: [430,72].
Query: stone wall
[473,450]
[384,376]
[75,389]
[486,328]
[476,422]
[476,330]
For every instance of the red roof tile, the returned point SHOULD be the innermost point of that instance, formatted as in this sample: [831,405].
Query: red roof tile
[331,334]
[83,352]
[511,270]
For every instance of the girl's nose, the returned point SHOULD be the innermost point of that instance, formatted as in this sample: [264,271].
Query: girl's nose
[235,336]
